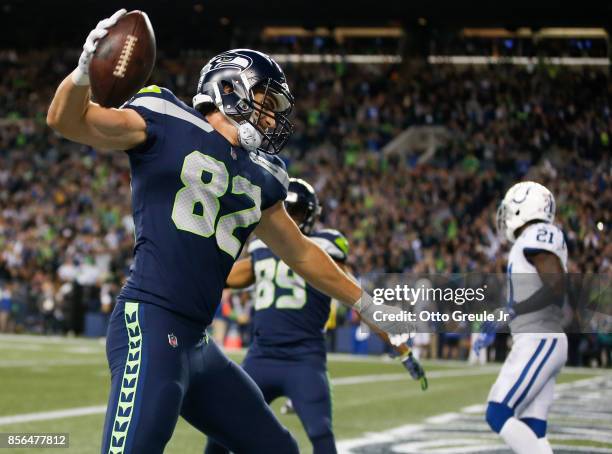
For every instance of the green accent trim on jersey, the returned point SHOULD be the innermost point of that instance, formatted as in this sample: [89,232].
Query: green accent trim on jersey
[342,243]
[129,381]
[150,89]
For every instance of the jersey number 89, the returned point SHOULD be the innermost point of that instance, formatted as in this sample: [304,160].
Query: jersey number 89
[195,191]
[271,273]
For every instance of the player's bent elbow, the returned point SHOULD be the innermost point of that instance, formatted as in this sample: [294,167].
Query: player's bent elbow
[59,124]
[53,120]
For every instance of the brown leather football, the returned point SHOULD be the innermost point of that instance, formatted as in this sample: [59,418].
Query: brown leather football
[123,60]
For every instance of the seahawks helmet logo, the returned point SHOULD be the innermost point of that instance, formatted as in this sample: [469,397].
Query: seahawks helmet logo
[234,61]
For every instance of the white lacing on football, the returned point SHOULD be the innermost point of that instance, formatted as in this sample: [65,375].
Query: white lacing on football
[126,54]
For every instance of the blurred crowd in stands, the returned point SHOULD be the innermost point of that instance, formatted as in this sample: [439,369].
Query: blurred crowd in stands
[66,232]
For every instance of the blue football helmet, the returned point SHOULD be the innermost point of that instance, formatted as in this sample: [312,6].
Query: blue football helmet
[229,82]
[302,204]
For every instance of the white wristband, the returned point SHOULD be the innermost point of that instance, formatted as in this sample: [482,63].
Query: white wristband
[79,77]
[393,323]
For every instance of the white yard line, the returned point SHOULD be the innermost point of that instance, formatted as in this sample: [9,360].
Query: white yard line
[10,363]
[56,414]
[40,339]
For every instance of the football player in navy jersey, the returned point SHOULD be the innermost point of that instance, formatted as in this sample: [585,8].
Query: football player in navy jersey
[203,178]
[288,354]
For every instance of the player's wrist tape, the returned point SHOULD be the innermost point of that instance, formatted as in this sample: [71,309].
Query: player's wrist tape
[79,77]
[545,296]
[367,309]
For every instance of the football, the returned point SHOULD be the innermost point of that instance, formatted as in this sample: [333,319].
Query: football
[123,60]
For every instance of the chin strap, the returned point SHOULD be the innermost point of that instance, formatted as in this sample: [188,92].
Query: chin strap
[248,136]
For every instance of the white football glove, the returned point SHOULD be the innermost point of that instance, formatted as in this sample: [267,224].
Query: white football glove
[80,76]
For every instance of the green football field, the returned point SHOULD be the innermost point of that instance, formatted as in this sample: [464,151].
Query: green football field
[60,385]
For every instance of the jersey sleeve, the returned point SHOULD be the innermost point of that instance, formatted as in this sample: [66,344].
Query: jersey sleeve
[150,103]
[544,237]
[276,181]
[333,242]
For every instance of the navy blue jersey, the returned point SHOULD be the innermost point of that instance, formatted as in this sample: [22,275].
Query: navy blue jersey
[195,200]
[290,315]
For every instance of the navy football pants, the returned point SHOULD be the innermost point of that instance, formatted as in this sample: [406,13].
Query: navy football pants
[162,367]
[306,384]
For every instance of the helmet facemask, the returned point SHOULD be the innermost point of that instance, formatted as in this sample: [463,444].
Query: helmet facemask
[275,104]
[500,220]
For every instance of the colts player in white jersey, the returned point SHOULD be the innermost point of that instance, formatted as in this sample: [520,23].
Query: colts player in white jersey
[519,401]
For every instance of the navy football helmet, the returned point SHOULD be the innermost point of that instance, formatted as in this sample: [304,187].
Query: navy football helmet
[229,82]
[302,204]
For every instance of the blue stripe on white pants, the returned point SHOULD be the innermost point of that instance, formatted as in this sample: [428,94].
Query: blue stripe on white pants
[524,373]
[536,373]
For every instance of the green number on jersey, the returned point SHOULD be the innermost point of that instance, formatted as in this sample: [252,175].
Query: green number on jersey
[196,192]
[271,273]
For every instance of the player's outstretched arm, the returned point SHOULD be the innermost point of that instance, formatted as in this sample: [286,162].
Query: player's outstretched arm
[305,257]
[76,117]
[241,275]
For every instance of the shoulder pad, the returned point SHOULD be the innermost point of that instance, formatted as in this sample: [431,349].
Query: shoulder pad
[274,165]
[333,242]
[163,101]
[545,237]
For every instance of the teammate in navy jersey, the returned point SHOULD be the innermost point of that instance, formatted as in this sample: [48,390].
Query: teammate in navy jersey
[288,354]
[203,179]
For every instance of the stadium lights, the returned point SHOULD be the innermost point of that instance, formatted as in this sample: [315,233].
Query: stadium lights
[519,61]
[339,33]
[495,33]
[299,32]
[572,33]
[544,33]
[337,58]
[440,60]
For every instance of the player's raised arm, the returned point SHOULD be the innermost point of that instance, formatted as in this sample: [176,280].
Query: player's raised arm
[241,275]
[76,117]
